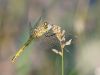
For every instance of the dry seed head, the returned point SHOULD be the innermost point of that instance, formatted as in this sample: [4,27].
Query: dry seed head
[57,30]
[57,52]
[68,42]
[60,34]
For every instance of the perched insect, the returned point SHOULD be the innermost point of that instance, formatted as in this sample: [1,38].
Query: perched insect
[42,29]
[36,33]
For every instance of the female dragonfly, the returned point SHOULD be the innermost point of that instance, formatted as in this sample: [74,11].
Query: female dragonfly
[41,28]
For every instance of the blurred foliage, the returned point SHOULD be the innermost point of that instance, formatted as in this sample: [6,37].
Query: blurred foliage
[80,19]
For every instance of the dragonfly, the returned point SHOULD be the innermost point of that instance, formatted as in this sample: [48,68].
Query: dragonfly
[41,27]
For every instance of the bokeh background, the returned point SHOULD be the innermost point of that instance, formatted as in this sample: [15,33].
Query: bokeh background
[80,19]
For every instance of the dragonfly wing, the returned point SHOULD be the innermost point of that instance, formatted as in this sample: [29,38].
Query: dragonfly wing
[30,28]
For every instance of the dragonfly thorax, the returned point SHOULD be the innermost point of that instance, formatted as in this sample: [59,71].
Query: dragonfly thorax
[41,29]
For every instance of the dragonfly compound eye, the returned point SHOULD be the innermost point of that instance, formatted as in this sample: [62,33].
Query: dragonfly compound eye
[45,25]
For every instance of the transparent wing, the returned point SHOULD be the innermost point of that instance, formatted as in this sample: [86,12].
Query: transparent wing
[41,19]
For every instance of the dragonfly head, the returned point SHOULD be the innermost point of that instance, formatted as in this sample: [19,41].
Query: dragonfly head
[47,26]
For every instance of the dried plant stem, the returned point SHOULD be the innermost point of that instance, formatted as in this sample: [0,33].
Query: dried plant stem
[61,37]
[62,61]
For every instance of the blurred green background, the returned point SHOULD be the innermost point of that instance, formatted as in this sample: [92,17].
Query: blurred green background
[80,19]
